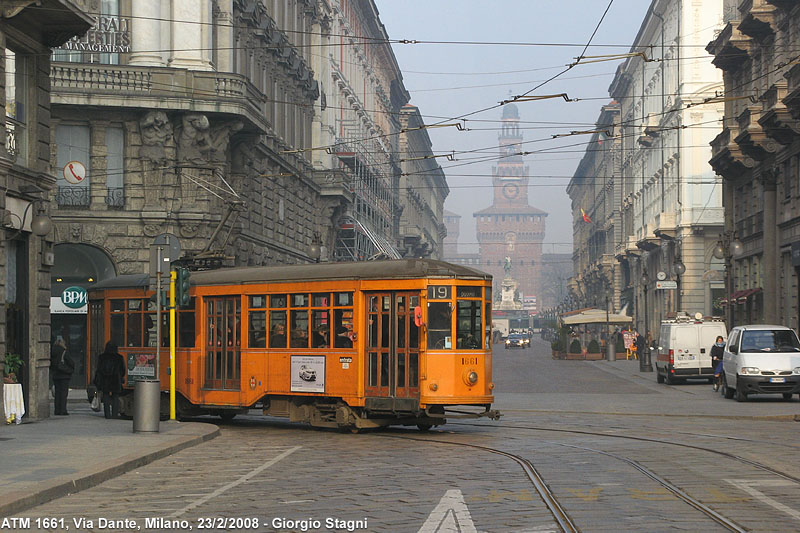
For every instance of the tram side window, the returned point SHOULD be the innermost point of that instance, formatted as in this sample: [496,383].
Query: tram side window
[343,327]
[186,329]
[440,328]
[488,327]
[468,325]
[257,323]
[277,329]
[321,329]
[299,329]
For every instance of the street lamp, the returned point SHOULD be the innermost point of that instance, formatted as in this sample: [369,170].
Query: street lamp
[728,248]
[678,269]
[315,249]
[644,357]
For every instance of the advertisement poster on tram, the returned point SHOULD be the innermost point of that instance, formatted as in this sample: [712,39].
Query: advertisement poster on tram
[308,373]
[141,366]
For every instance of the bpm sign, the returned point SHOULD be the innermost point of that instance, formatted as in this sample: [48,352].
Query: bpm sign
[72,300]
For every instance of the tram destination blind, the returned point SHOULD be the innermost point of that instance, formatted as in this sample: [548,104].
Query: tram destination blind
[438,292]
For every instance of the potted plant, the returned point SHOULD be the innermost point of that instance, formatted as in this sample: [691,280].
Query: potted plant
[620,347]
[557,348]
[11,365]
[575,351]
[593,351]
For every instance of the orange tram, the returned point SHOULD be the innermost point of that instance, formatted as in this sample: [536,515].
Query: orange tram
[347,345]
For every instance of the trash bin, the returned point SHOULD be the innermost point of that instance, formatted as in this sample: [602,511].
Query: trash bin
[611,351]
[146,406]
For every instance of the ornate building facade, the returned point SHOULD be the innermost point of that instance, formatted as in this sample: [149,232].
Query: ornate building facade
[422,189]
[510,231]
[28,30]
[654,203]
[758,156]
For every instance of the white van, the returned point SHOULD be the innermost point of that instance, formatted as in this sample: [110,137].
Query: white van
[761,359]
[684,347]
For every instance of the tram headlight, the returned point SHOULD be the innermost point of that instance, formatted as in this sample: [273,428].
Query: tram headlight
[434,387]
[470,377]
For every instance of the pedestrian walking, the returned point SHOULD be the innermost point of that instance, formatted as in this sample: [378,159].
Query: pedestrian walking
[717,351]
[61,368]
[109,377]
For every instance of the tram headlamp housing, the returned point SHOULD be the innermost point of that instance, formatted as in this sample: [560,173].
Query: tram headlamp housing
[434,387]
[470,377]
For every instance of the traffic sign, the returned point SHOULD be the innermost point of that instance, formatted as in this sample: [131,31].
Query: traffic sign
[667,284]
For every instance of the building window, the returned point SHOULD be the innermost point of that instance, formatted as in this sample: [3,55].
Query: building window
[72,145]
[17,74]
[110,32]
[115,167]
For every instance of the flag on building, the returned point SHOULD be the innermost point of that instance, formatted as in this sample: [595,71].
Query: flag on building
[585,216]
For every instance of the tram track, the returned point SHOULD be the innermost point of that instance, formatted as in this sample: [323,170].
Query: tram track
[549,499]
[738,458]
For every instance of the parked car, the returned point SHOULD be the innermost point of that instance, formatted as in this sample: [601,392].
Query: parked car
[761,359]
[517,340]
[684,347]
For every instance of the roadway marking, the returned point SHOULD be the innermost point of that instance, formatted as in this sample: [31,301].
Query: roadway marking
[748,485]
[233,484]
[451,515]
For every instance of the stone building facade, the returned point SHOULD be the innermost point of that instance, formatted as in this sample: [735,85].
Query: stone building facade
[422,189]
[27,32]
[510,231]
[356,131]
[758,156]
[596,193]
[668,198]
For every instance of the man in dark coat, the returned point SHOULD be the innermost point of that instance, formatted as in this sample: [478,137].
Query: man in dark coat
[61,368]
[109,377]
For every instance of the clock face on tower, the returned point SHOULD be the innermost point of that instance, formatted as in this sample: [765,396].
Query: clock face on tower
[510,190]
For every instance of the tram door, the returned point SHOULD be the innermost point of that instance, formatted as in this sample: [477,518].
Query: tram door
[223,343]
[392,345]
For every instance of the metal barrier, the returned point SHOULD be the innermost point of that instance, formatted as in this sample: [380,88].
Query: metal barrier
[146,406]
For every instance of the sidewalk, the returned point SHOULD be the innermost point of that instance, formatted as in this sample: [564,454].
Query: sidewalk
[47,459]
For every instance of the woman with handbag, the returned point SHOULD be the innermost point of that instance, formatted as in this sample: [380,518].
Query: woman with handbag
[108,379]
[61,367]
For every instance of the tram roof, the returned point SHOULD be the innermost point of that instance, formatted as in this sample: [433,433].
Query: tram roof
[394,269]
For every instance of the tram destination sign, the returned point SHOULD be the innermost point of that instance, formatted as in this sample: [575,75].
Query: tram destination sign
[438,292]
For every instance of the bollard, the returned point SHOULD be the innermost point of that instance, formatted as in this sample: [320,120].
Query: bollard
[146,406]
[611,351]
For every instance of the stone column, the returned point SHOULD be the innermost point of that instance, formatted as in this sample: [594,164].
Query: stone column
[187,35]
[146,34]
[769,264]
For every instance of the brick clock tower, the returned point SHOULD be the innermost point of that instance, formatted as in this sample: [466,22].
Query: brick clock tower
[511,228]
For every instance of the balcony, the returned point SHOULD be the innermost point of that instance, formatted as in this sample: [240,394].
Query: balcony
[752,138]
[727,158]
[759,23]
[72,196]
[776,119]
[792,98]
[15,139]
[157,88]
[115,197]
[731,48]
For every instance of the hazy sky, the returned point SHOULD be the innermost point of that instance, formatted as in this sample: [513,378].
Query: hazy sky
[448,80]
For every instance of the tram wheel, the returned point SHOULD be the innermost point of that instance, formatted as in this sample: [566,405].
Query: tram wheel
[424,427]
[227,416]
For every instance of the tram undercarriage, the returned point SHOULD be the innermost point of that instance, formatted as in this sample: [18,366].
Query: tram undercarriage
[318,412]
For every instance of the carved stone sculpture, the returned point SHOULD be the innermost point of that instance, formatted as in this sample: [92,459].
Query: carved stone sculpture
[192,138]
[155,130]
